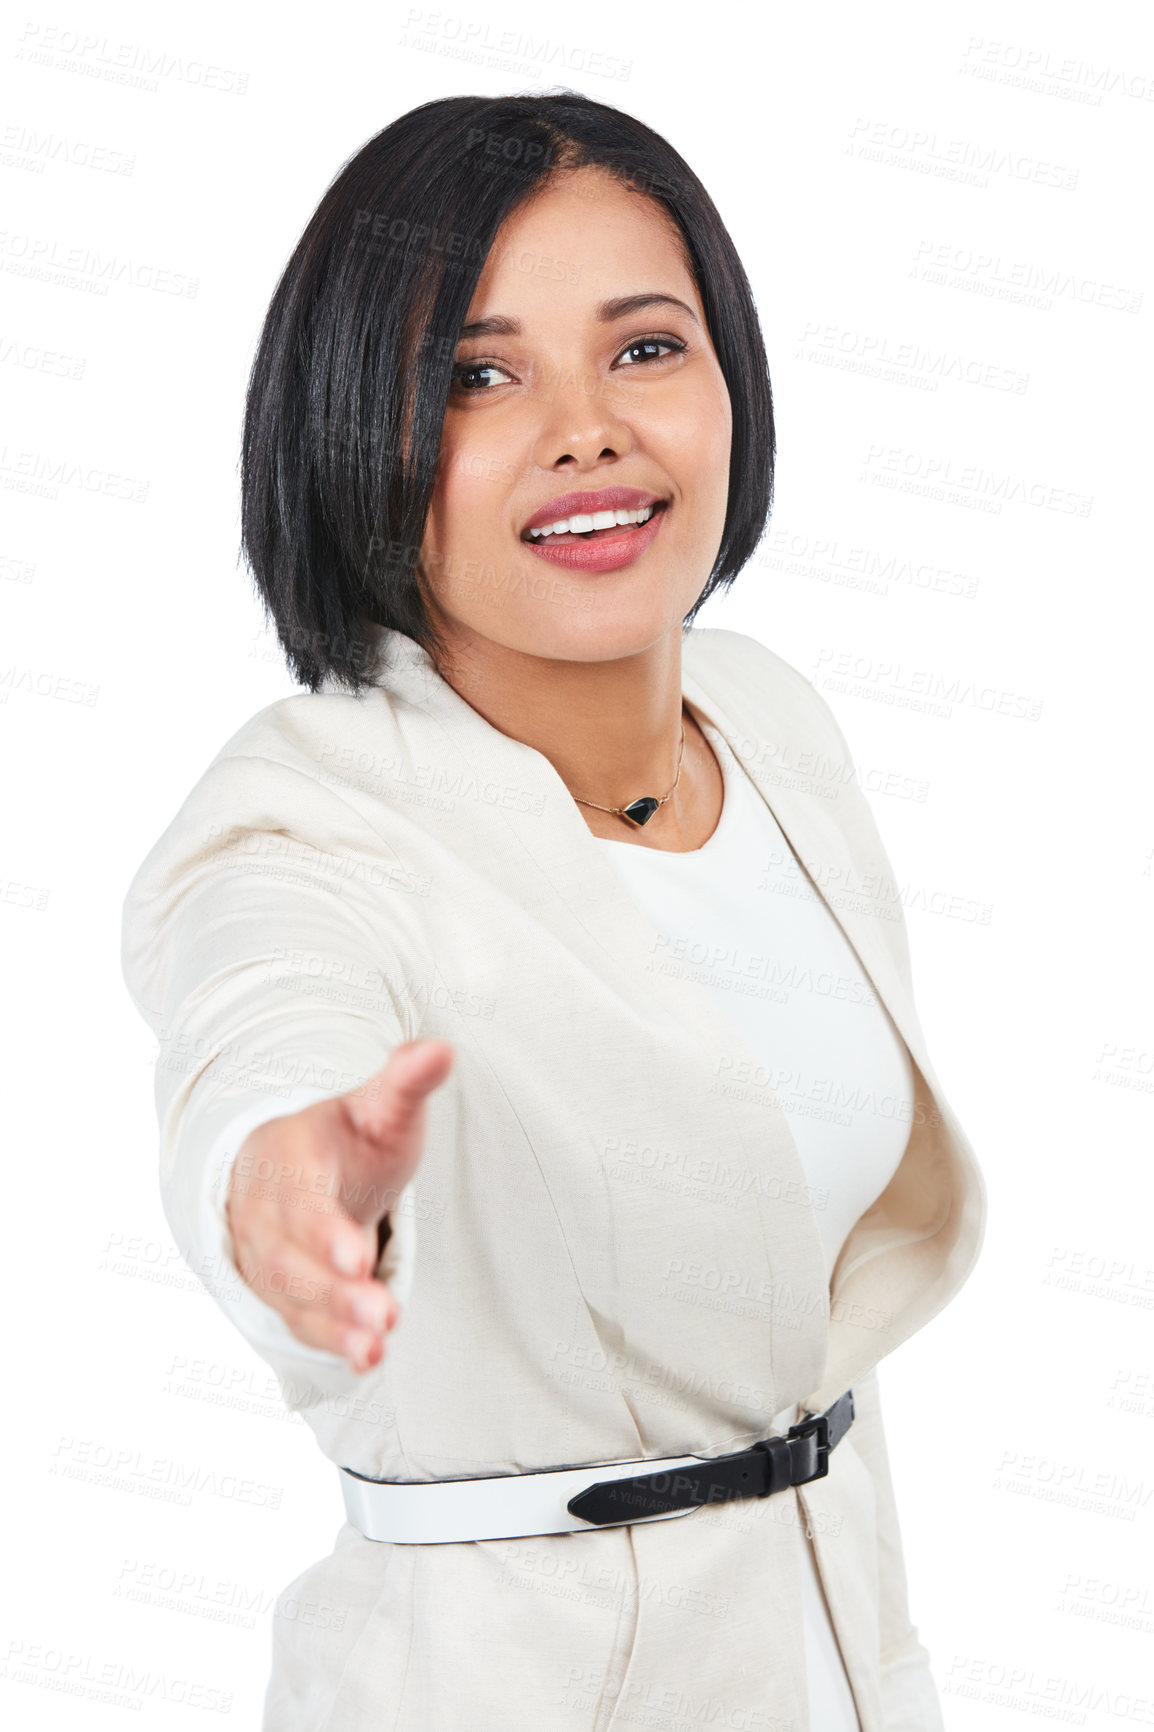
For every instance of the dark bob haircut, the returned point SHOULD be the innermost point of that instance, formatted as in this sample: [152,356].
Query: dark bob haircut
[347,394]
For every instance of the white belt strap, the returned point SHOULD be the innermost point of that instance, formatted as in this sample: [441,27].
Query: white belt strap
[516,1505]
[501,1507]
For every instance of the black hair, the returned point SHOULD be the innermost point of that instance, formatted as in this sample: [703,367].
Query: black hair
[347,393]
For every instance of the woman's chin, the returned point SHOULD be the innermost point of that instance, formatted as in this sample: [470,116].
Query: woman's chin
[604,632]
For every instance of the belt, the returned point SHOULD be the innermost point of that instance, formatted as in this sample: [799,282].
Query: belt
[562,1500]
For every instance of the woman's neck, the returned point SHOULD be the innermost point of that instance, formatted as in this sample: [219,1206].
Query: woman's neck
[611,729]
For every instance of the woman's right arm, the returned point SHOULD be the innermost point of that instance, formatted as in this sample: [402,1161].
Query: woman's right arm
[270,947]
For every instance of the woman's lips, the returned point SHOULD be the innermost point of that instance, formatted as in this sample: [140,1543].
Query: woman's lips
[604,550]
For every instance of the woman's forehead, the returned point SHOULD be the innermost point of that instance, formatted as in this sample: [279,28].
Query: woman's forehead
[563,252]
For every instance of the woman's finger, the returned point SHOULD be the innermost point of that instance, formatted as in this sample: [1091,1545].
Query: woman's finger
[322,1308]
[388,1106]
[289,1178]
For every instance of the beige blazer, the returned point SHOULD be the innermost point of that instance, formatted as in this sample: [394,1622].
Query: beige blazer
[609,1249]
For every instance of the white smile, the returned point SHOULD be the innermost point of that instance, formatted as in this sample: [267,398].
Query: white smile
[584,523]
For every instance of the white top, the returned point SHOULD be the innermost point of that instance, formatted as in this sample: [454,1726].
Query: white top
[741,915]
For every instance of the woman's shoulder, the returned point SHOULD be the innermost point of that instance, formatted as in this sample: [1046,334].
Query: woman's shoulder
[275,817]
[306,730]
[756,684]
[287,766]
[285,772]
[738,656]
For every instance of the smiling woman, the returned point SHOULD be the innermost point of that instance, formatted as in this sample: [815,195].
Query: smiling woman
[560,1132]
[450,261]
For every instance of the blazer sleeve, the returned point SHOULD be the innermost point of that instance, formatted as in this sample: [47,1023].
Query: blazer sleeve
[909,1694]
[269,971]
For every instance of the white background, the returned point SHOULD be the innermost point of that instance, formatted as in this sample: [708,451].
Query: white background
[934,204]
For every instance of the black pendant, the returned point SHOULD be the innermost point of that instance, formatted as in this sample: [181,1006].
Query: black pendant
[641,810]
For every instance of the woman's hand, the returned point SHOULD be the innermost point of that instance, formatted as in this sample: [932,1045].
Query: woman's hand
[308,1190]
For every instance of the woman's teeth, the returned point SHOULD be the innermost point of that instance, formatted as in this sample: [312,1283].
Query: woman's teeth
[586,524]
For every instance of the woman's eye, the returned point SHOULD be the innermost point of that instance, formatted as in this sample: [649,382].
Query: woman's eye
[474,377]
[652,343]
[465,373]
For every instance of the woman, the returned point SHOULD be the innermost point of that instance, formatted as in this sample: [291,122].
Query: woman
[449,1124]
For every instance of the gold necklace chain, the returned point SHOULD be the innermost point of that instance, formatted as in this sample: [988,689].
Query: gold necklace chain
[640,811]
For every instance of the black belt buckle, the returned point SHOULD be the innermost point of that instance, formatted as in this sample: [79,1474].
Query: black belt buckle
[778,1464]
[770,1465]
[812,1460]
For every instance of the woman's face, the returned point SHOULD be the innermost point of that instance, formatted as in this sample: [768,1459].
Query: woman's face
[566,393]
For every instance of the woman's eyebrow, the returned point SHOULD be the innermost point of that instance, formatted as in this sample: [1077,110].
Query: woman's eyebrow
[498,325]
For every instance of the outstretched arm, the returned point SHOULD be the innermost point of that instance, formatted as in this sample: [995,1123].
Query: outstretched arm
[269,969]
